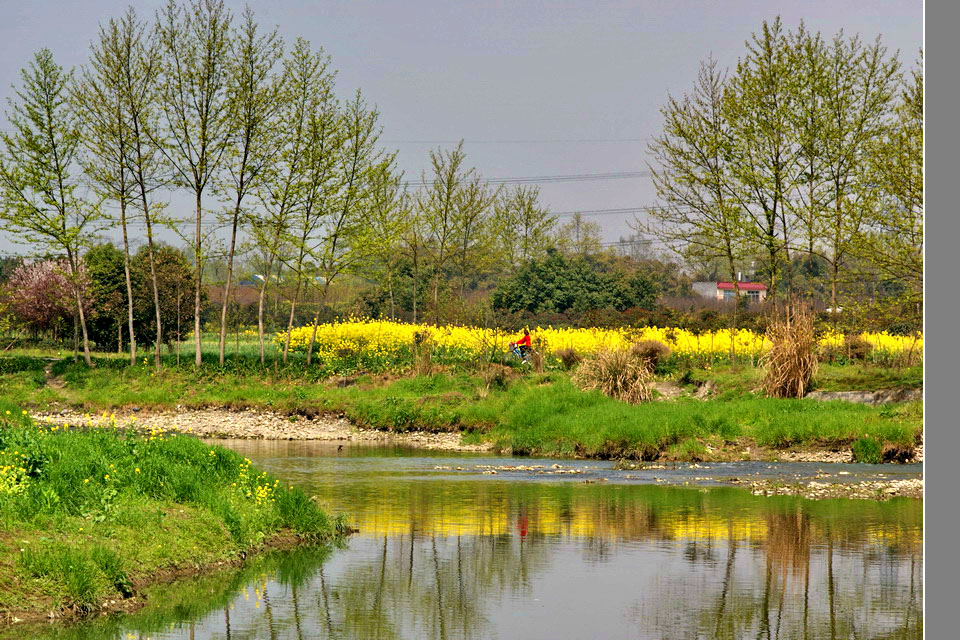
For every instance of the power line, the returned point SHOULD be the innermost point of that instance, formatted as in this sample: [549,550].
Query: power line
[544,141]
[577,177]
[604,212]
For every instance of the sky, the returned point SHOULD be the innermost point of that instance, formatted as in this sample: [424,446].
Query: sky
[534,88]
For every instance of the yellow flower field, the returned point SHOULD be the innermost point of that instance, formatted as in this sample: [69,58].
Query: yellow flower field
[383,339]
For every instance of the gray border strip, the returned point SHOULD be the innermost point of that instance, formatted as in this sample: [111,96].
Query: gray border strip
[942,224]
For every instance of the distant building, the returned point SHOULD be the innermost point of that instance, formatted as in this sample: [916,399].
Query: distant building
[756,291]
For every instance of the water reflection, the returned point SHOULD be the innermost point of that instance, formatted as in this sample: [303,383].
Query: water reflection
[471,557]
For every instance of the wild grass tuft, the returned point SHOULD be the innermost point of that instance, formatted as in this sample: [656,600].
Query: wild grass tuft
[568,357]
[620,373]
[867,450]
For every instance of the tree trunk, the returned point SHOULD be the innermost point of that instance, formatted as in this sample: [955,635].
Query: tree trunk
[293,308]
[154,285]
[119,338]
[393,312]
[260,305]
[316,319]
[83,328]
[141,181]
[78,298]
[736,306]
[126,274]
[198,285]
[226,287]
[415,292]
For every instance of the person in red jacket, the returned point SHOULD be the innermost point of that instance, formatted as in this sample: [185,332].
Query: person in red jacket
[524,344]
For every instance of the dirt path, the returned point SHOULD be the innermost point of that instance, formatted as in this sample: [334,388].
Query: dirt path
[251,424]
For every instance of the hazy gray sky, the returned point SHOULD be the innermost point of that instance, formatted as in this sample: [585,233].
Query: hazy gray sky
[535,88]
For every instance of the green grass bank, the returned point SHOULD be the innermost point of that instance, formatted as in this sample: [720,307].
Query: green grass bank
[89,517]
[519,411]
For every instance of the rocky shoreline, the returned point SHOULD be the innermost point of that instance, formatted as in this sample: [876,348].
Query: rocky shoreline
[260,425]
[868,490]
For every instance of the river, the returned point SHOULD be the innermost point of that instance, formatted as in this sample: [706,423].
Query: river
[479,546]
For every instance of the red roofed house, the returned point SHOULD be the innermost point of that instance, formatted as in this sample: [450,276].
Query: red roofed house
[757,291]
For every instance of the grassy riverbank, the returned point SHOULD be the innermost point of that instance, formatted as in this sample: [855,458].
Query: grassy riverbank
[88,516]
[529,413]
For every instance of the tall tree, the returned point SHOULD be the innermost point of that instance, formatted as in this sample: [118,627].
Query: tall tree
[40,173]
[194,96]
[344,238]
[894,244]
[473,230]
[307,80]
[858,100]
[389,218]
[580,237]
[99,96]
[438,203]
[254,101]
[693,178]
[523,226]
[317,177]
[809,122]
[759,104]
[139,65]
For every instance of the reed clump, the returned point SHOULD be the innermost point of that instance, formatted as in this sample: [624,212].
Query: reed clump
[792,360]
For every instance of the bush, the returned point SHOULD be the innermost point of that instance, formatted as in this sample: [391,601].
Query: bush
[791,361]
[620,374]
[568,357]
[653,351]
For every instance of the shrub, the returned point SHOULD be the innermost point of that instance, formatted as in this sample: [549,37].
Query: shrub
[422,353]
[867,450]
[568,357]
[653,351]
[620,374]
[856,347]
[791,361]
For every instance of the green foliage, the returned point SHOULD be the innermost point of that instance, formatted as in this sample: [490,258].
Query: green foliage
[174,286]
[557,284]
[105,271]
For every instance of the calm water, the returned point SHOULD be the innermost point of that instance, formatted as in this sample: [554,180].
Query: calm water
[537,553]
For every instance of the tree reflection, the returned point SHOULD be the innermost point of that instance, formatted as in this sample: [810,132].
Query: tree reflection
[446,561]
